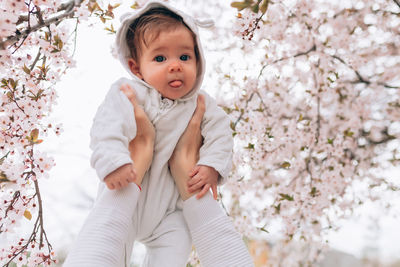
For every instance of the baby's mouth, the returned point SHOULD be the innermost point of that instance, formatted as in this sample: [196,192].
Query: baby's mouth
[175,83]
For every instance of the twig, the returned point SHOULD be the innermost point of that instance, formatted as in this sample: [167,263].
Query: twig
[36,60]
[318,108]
[76,37]
[242,112]
[361,79]
[313,48]
[69,11]
[39,15]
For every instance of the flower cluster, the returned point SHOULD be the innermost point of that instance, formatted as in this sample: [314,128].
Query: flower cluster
[314,108]
[35,51]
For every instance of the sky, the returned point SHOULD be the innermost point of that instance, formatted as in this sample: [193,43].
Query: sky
[71,189]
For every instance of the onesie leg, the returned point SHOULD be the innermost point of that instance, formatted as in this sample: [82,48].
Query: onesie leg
[170,244]
[214,236]
[104,239]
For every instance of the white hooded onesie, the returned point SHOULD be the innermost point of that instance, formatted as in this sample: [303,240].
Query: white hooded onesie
[154,216]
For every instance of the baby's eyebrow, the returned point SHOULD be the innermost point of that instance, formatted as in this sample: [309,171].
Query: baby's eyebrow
[163,48]
[187,47]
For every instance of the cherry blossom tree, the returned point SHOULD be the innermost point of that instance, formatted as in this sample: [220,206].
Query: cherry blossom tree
[36,48]
[312,87]
[315,107]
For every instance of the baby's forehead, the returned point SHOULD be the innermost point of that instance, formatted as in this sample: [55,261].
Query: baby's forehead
[152,34]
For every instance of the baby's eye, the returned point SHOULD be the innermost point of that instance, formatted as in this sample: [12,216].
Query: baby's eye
[159,58]
[184,57]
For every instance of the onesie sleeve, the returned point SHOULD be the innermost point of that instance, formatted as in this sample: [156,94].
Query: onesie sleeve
[113,128]
[216,150]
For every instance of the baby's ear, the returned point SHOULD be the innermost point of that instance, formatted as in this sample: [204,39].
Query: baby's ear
[134,67]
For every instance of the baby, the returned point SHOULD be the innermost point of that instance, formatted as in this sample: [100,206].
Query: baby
[140,201]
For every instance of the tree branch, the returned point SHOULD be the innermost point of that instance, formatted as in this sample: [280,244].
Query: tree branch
[361,79]
[69,12]
[313,48]
[385,139]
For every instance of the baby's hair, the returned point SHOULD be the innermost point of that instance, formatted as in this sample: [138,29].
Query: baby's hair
[147,27]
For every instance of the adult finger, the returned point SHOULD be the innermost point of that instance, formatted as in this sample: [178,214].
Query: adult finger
[124,88]
[199,112]
[215,191]
[203,191]
[132,176]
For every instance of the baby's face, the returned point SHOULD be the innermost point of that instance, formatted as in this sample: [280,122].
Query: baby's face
[169,63]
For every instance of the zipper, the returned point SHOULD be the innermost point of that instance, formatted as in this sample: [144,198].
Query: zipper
[165,106]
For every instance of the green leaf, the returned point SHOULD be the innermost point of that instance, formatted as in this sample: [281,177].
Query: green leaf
[250,146]
[233,126]
[241,5]
[286,197]
[264,230]
[264,6]
[313,192]
[255,8]
[111,29]
[135,5]
[33,137]
[26,70]
[58,42]
[285,165]
[227,110]
[13,83]
[4,82]
[10,96]
[277,208]
[348,133]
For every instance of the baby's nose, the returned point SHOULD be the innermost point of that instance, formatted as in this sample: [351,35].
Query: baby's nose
[175,66]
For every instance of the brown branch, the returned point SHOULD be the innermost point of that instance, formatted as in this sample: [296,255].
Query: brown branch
[313,48]
[386,138]
[24,247]
[242,111]
[39,16]
[36,60]
[69,12]
[63,7]
[15,197]
[361,79]
[40,212]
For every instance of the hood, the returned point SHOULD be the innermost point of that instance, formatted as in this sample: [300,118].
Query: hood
[124,52]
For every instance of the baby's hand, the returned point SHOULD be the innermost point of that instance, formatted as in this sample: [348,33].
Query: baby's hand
[120,177]
[203,177]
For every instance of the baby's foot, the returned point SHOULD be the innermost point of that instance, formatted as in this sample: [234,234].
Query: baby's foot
[142,146]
